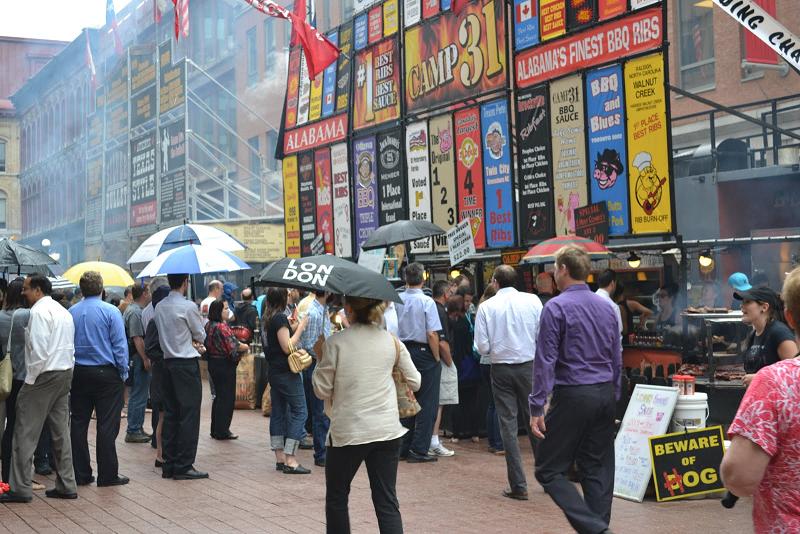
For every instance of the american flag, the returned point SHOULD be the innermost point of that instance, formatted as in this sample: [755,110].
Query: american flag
[90,60]
[181,17]
[111,21]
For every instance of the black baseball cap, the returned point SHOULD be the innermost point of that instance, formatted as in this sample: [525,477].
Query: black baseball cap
[759,294]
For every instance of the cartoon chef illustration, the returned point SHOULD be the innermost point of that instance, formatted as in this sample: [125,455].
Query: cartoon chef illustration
[648,184]
[607,168]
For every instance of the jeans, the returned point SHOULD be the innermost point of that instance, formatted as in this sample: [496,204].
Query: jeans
[137,402]
[223,371]
[286,424]
[319,421]
[418,438]
[492,424]
[343,463]
[580,430]
[183,395]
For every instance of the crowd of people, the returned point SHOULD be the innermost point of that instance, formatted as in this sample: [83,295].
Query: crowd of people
[552,359]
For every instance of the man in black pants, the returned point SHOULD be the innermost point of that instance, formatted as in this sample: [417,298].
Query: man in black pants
[98,382]
[181,335]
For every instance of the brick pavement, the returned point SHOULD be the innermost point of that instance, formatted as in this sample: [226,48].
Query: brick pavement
[246,494]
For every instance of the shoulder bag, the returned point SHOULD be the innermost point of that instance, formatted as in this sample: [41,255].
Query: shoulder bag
[6,369]
[407,405]
[299,359]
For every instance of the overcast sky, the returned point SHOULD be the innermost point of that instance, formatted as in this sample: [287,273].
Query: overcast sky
[61,20]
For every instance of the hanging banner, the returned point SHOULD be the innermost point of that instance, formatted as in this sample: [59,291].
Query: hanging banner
[375,25]
[303,99]
[534,161]
[497,174]
[526,23]
[117,179]
[361,32]
[343,237]
[580,13]
[569,151]
[455,57]
[377,75]
[320,133]
[469,172]
[430,8]
[412,11]
[608,9]
[322,176]
[308,201]
[173,197]
[648,153]
[419,187]
[315,100]
[173,146]
[391,18]
[172,86]
[754,50]
[599,44]
[143,181]
[143,106]
[606,123]
[443,177]
[93,228]
[390,178]
[291,206]
[293,88]
[553,18]
[343,68]
[366,189]
[329,82]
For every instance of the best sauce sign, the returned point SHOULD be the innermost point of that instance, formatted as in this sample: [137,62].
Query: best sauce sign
[456,56]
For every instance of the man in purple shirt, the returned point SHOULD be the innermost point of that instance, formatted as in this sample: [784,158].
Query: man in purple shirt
[579,360]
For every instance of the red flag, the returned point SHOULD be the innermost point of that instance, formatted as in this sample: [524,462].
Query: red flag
[181,18]
[459,5]
[90,60]
[111,21]
[300,12]
[317,49]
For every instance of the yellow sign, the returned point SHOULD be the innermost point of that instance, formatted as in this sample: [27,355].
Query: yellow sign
[264,241]
[291,206]
[315,104]
[648,155]
[390,18]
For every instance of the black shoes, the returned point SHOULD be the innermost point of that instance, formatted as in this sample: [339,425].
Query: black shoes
[55,494]
[191,474]
[159,463]
[43,470]
[225,436]
[86,482]
[137,437]
[320,462]
[297,470]
[13,497]
[306,444]
[516,495]
[414,458]
[279,466]
[119,481]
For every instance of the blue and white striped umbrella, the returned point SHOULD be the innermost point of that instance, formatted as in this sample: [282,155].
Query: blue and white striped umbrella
[185,234]
[193,259]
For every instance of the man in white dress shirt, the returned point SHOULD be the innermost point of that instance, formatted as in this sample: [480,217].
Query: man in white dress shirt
[44,397]
[607,286]
[506,328]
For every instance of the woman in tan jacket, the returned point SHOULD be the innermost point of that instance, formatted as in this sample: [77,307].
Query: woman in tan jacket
[354,377]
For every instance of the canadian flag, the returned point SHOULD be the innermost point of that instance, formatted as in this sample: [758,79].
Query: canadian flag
[524,11]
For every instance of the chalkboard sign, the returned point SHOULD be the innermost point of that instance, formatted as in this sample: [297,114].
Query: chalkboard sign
[591,222]
[649,413]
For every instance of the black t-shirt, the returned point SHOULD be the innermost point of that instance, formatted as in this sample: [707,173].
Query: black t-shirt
[276,358]
[763,350]
[246,315]
[444,333]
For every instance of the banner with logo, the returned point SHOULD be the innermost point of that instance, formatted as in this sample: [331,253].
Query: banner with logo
[343,68]
[117,171]
[606,130]
[419,187]
[526,23]
[534,161]
[377,77]
[322,176]
[552,18]
[308,202]
[469,172]
[648,153]
[390,178]
[143,181]
[456,56]
[303,99]
[497,174]
[569,151]
[291,206]
[293,88]
[443,177]
[366,189]
[329,82]
[343,237]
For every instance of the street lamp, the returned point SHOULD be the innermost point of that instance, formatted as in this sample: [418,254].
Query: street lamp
[633,260]
[46,243]
[55,255]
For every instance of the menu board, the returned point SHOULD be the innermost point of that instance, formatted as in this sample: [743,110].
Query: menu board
[343,237]
[443,177]
[469,172]
[649,413]
[308,201]
[419,187]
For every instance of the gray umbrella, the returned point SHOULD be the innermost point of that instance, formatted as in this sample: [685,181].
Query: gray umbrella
[328,273]
[19,257]
[401,232]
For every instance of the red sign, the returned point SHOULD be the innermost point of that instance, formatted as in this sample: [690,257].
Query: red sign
[637,33]
[375,24]
[142,214]
[608,9]
[756,50]
[313,135]
[293,88]
[469,173]
[322,177]
[429,8]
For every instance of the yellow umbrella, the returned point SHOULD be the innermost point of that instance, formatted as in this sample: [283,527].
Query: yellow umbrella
[113,275]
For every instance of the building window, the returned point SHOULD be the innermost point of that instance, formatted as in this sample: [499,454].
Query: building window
[252,67]
[271,51]
[272,140]
[697,44]
[2,156]
[3,199]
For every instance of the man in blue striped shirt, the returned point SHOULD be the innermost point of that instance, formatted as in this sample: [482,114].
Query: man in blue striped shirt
[98,382]
[319,326]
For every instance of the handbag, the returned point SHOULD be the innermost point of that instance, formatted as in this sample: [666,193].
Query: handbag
[6,369]
[407,405]
[299,359]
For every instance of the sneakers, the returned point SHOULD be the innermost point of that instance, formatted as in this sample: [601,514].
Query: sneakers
[137,437]
[440,450]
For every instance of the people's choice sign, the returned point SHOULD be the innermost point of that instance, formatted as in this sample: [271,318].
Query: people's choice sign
[307,273]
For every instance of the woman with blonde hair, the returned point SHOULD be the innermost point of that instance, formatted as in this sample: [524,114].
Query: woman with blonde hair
[354,378]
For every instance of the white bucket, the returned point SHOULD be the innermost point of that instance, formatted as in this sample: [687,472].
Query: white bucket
[691,411]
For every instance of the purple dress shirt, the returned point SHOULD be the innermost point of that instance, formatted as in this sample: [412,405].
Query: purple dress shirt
[578,344]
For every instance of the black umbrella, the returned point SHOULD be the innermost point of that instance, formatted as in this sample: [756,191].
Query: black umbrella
[21,257]
[328,273]
[401,232]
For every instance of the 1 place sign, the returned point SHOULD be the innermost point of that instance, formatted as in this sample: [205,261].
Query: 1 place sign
[687,463]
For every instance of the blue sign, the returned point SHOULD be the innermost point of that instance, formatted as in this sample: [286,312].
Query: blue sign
[446,4]
[496,146]
[526,23]
[605,124]
[329,82]
[362,36]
